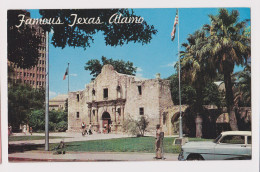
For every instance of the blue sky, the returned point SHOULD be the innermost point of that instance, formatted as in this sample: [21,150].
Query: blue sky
[156,57]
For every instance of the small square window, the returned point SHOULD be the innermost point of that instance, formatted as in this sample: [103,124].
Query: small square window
[141,111]
[77,114]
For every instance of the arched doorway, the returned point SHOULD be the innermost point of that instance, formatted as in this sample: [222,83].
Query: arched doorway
[106,121]
[175,122]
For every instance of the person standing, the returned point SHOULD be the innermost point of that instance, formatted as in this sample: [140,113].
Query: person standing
[83,126]
[158,142]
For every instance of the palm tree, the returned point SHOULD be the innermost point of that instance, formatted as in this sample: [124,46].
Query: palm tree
[243,87]
[228,45]
[195,70]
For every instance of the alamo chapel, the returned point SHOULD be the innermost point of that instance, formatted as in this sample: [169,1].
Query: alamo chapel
[113,97]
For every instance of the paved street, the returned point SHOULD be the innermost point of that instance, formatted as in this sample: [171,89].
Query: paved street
[37,155]
[87,156]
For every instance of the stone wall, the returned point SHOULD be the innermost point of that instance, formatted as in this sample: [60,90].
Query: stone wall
[126,94]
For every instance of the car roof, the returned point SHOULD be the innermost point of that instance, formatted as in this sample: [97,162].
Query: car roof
[245,133]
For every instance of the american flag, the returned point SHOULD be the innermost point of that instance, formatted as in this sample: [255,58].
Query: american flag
[174,26]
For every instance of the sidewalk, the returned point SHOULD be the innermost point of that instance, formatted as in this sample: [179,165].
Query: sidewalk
[68,137]
[87,156]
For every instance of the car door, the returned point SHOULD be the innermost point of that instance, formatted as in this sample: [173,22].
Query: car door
[249,147]
[231,147]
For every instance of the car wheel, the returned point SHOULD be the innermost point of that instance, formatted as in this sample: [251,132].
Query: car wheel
[195,157]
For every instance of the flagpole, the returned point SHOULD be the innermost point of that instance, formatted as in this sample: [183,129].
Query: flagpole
[68,78]
[180,124]
[47,94]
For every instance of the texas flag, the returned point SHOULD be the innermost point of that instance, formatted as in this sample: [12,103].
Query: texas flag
[66,73]
[174,26]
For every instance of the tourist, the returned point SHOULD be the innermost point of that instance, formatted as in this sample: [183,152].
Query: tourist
[158,142]
[31,130]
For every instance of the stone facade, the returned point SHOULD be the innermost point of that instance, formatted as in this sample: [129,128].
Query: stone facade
[112,97]
[58,102]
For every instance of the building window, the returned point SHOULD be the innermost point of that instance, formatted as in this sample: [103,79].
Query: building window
[141,111]
[93,92]
[78,97]
[119,111]
[140,90]
[105,93]
[77,114]
[118,88]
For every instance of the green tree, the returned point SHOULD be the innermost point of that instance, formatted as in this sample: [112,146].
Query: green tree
[23,42]
[211,95]
[188,93]
[82,35]
[243,88]
[196,70]
[228,45]
[57,120]
[22,99]
[119,65]
[136,127]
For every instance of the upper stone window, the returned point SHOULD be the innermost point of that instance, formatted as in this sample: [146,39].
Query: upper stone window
[105,93]
[78,97]
[118,89]
[141,111]
[77,114]
[140,90]
[93,92]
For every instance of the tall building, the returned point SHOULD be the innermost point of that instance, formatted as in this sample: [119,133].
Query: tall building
[34,76]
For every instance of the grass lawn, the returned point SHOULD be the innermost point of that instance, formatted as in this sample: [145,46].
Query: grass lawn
[133,144]
[21,138]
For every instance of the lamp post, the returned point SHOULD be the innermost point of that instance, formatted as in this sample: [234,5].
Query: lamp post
[47,94]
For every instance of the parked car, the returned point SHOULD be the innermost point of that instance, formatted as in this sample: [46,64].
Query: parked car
[230,145]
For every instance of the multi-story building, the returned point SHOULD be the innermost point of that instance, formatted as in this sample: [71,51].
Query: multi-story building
[34,76]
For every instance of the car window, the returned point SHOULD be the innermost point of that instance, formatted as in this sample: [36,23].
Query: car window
[217,139]
[233,139]
[249,140]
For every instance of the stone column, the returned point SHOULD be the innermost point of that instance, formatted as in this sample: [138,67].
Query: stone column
[198,122]
[90,120]
[114,122]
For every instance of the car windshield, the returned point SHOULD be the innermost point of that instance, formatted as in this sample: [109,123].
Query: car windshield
[216,140]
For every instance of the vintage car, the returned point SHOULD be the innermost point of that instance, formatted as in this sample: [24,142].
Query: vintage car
[229,145]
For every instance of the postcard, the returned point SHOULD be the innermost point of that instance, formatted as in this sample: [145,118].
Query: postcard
[154,84]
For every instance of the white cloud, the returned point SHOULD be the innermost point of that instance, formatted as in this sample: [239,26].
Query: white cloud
[52,94]
[74,74]
[170,64]
[139,69]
